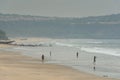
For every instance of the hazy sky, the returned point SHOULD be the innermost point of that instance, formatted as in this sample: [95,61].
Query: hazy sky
[61,8]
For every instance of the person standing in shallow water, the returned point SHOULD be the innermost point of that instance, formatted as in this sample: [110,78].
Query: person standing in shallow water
[43,57]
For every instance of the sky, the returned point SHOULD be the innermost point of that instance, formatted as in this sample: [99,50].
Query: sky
[60,8]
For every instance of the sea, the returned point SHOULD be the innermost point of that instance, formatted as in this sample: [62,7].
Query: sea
[63,52]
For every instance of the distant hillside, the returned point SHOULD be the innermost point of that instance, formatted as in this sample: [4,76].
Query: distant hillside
[100,27]
[3,35]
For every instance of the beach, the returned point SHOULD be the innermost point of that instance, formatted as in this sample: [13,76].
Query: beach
[14,66]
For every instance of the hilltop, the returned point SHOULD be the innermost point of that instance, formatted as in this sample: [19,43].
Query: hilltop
[97,27]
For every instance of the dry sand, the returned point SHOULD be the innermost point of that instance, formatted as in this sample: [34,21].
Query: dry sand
[14,66]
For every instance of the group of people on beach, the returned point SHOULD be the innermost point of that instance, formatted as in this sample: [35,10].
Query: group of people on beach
[94,61]
[77,55]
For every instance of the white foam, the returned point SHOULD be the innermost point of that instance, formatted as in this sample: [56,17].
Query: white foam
[90,45]
[87,45]
[64,44]
[109,51]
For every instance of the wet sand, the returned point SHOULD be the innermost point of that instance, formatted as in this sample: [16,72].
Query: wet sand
[14,66]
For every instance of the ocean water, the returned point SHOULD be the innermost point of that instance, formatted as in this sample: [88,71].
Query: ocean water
[101,46]
[63,52]
[106,50]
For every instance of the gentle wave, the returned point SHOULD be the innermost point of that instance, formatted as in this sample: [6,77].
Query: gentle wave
[109,47]
[108,51]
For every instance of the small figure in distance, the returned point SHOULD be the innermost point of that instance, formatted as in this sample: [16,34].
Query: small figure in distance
[94,60]
[77,54]
[43,58]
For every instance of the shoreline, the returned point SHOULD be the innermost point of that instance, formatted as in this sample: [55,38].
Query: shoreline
[15,66]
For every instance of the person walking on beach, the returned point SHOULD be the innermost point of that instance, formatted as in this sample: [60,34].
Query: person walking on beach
[42,57]
[94,60]
[94,63]
[77,54]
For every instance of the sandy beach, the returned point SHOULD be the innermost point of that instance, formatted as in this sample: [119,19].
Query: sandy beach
[14,66]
